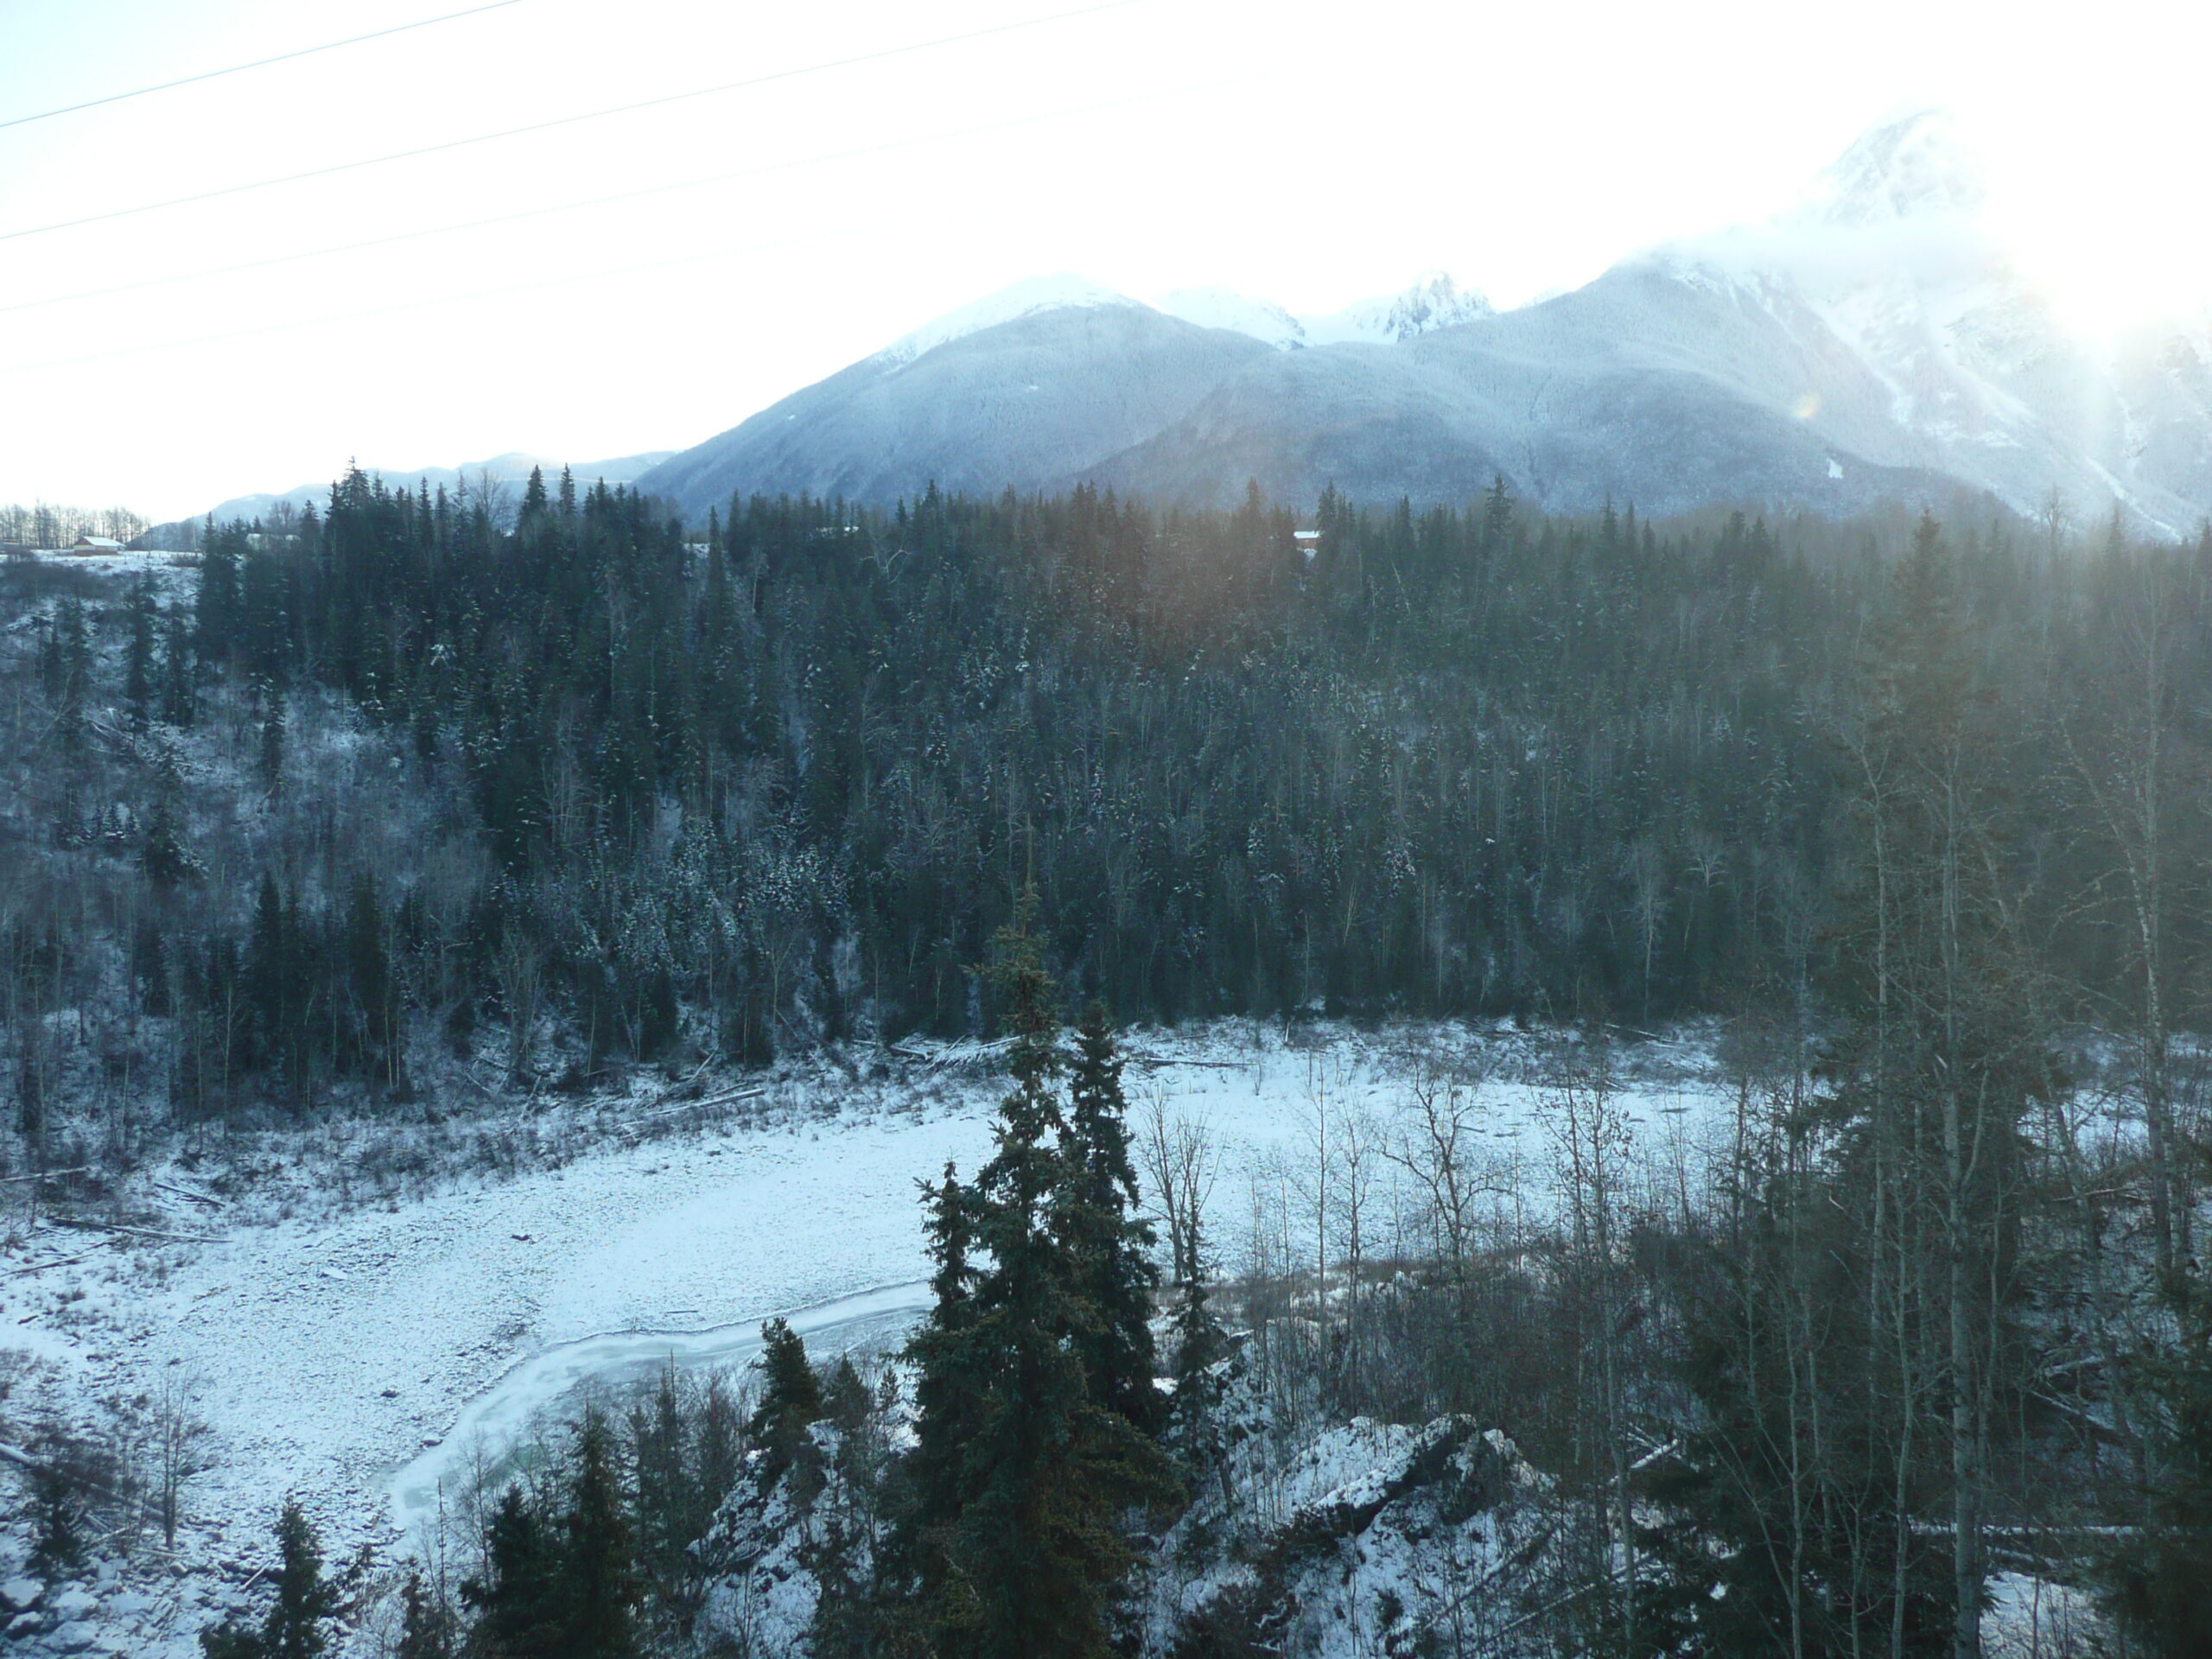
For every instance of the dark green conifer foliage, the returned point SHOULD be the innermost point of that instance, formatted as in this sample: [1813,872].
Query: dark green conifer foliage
[272,742]
[304,1602]
[295,1626]
[790,1398]
[180,697]
[72,673]
[947,1389]
[270,973]
[163,852]
[668,1502]
[231,1641]
[518,1602]
[138,658]
[1025,1553]
[1110,1246]
[149,968]
[2157,1579]
[1193,1431]
[374,996]
[426,1628]
[601,1588]
[57,1500]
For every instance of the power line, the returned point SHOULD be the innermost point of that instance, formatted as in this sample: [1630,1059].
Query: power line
[661,102]
[426,302]
[562,280]
[258,63]
[169,278]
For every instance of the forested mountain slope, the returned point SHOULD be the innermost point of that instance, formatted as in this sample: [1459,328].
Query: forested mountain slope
[1046,395]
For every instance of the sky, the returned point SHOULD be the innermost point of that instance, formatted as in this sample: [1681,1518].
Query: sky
[815,181]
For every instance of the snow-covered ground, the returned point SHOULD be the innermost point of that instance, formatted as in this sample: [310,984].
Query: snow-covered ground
[353,1355]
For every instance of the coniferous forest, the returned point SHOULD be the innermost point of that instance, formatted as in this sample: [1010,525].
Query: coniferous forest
[787,780]
[1908,814]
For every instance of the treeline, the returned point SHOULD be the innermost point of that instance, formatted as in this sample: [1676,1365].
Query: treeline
[43,524]
[790,773]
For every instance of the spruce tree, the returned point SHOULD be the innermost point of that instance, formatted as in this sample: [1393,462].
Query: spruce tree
[516,1600]
[948,1391]
[179,698]
[1110,1246]
[1199,1346]
[601,1589]
[138,660]
[667,1504]
[1026,1562]
[790,1398]
[305,1603]
[425,1626]
[368,969]
[2156,1580]
[269,968]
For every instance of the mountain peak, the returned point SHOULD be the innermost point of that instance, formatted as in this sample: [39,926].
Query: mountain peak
[1433,302]
[1061,291]
[1913,168]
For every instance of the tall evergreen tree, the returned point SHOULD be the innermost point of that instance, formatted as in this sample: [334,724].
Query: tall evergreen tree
[138,676]
[179,695]
[1108,1244]
[1029,1560]
[425,1625]
[791,1397]
[517,1599]
[668,1502]
[601,1588]
[295,1627]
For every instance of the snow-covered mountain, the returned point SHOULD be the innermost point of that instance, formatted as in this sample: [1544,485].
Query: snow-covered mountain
[1221,307]
[1433,302]
[1041,396]
[1062,292]
[1876,342]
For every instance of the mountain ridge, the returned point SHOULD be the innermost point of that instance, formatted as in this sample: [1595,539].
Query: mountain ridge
[1874,338]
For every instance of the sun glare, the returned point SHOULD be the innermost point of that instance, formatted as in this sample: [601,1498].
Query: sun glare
[2105,223]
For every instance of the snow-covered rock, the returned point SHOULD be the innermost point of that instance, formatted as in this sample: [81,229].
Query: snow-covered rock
[1361,1533]
[21,1595]
[73,1603]
[1433,302]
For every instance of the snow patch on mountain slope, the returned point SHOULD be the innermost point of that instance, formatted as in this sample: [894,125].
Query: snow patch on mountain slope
[1919,167]
[1023,299]
[1221,307]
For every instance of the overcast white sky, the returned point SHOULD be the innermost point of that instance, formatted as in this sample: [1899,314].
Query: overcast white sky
[1311,155]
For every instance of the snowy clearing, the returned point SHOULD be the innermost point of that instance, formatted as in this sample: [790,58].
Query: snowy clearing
[355,1357]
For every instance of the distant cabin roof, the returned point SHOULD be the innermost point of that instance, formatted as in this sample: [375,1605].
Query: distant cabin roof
[108,541]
